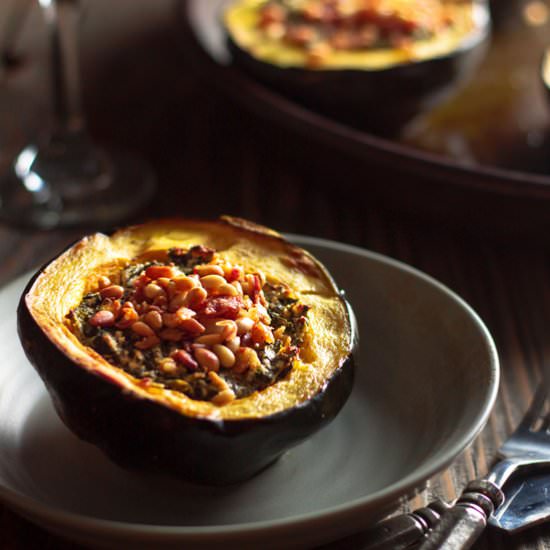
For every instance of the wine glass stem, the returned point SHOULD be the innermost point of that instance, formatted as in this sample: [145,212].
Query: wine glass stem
[62,18]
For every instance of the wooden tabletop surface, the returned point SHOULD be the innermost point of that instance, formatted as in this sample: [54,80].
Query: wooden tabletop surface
[211,157]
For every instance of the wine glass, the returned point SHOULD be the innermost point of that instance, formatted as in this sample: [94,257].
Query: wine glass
[67,179]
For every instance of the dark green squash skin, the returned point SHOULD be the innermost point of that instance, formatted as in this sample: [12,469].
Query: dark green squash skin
[377,100]
[142,435]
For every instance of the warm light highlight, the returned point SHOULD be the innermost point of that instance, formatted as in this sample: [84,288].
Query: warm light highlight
[536,13]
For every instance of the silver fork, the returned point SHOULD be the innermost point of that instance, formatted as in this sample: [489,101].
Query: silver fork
[439,527]
[528,447]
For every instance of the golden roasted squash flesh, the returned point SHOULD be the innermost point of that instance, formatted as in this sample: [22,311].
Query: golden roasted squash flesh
[365,34]
[188,321]
[220,319]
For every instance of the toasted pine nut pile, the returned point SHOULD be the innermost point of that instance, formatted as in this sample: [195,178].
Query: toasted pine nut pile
[196,324]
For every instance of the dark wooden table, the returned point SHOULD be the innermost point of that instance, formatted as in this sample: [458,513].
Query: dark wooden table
[213,157]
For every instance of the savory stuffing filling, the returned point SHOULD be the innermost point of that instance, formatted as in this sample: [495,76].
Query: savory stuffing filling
[322,26]
[194,324]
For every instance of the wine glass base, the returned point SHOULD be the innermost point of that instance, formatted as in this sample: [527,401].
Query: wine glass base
[40,194]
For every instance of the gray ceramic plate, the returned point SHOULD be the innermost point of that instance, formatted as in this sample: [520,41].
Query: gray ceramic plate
[426,381]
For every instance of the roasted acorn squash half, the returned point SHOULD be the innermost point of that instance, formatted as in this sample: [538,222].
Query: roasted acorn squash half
[198,349]
[372,63]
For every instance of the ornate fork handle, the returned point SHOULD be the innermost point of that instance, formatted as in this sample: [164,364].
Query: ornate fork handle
[444,526]
[462,524]
[405,530]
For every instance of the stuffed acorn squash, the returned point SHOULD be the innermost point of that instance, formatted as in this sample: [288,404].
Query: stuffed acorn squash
[374,62]
[199,349]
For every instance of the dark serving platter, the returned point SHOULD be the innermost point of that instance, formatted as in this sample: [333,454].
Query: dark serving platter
[481,157]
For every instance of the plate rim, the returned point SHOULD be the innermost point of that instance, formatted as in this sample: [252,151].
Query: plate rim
[481,178]
[45,515]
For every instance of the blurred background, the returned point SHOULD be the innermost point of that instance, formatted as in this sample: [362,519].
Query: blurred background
[146,89]
[139,92]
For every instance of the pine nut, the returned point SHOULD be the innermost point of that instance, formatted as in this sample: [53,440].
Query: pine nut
[239,287]
[225,355]
[244,325]
[185,313]
[218,381]
[212,282]
[228,328]
[225,289]
[261,277]
[177,301]
[175,319]
[208,269]
[207,359]
[171,334]
[192,326]
[166,285]
[158,271]
[196,296]
[102,318]
[153,290]
[112,291]
[147,342]
[209,339]
[168,366]
[103,281]
[151,307]
[142,329]
[183,284]
[153,319]
[186,359]
[223,398]
[128,315]
[234,344]
[170,290]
